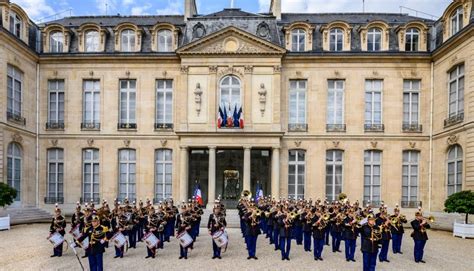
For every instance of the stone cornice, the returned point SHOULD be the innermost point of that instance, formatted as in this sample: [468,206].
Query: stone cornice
[19,44]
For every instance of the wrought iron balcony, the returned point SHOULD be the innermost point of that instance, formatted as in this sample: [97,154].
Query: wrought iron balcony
[90,126]
[455,119]
[412,128]
[53,200]
[335,127]
[373,204]
[297,127]
[374,127]
[17,118]
[164,126]
[411,204]
[95,200]
[55,125]
[127,126]
[130,199]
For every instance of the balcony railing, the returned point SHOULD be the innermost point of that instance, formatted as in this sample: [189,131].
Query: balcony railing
[95,200]
[130,200]
[373,204]
[164,126]
[53,200]
[374,127]
[411,204]
[90,126]
[412,128]
[16,118]
[455,119]
[297,127]
[335,127]
[127,126]
[55,125]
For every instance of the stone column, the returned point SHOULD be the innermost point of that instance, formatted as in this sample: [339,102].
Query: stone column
[276,172]
[183,174]
[247,168]
[211,193]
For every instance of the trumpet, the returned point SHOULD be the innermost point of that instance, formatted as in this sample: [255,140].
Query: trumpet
[430,218]
[326,216]
[293,215]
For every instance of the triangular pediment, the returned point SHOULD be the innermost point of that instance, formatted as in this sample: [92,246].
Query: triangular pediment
[231,41]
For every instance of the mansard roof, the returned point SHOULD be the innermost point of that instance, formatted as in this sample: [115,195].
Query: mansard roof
[231,12]
[115,20]
[350,18]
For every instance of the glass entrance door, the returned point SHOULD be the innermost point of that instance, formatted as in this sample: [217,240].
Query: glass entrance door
[229,175]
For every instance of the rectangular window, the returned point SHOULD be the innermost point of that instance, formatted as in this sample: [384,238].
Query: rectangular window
[372,176]
[296,174]
[163,174]
[297,102]
[411,102]
[127,174]
[55,104]
[335,102]
[456,91]
[91,106]
[14,91]
[90,175]
[373,102]
[164,104]
[410,177]
[55,175]
[15,24]
[334,176]
[455,167]
[128,104]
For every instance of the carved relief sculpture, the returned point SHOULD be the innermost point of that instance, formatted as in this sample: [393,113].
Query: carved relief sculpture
[197,98]
[262,98]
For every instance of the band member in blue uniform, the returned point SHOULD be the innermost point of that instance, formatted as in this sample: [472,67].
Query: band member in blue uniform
[253,230]
[336,230]
[98,237]
[397,230]
[276,227]
[318,226]
[286,226]
[383,223]
[183,223]
[119,224]
[270,214]
[151,227]
[419,235]
[58,224]
[216,223]
[371,236]
[307,227]
[350,233]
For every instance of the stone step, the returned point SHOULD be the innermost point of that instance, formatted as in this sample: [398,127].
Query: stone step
[26,215]
[232,218]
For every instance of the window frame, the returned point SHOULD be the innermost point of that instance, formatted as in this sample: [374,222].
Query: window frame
[128,91]
[93,162]
[371,163]
[162,195]
[336,32]
[300,46]
[128,162]
[458,159]
[371,34]
[57,91]
[56,45]
[372,92]
[297,165]
[337,92]
[232,103]
[95,117]
[16,76]
[409,164]
[165,91]
[334,164]
[56,162]
[167,46]
[410,92]
[459,75]
[129,36]
[298,92]
[410,34]
[456,20]
[16,24]
[92,43]
[14,166]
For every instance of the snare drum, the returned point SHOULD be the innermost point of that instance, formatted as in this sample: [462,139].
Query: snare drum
[56,239]
[151,240]
[220,238]
[75,232]
[184,239]
[119,240]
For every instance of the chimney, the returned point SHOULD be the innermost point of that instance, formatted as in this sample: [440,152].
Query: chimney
[275,8]
[190,9]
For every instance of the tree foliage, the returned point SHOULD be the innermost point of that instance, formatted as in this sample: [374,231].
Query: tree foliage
[7,194]
[460,202]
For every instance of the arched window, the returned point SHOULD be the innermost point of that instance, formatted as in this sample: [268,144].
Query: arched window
[454,169]
[128,40]
[90,175]
[374,39]
[127,174]
[14,161]
[336,39]
[165,43]
[372,176]
[92,41]
[230,100]
[456,20]
[298,39]
[334,177]
[296,173]
[16,24]
[55,180]
[412,39]
[163,174]
[56,42]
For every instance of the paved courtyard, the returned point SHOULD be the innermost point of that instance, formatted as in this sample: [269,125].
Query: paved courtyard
[24,247]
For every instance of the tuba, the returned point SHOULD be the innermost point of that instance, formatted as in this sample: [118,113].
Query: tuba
[246,194]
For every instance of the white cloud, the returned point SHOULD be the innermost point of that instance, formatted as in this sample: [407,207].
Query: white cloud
[173,7]
[36,9]
[106,6]
[140,10]
[127,2]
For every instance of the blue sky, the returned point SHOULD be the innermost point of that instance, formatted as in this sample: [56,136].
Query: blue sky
[39,9]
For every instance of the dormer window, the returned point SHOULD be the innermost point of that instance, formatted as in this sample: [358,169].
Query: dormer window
[457,20]
[298,40]
[15,24]
[165,41]
[92,41]
[128,40]
[56,42]
[336,39]
[412,39]
[374,39]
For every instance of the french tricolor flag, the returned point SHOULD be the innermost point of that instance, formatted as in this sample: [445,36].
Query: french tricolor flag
[197,194]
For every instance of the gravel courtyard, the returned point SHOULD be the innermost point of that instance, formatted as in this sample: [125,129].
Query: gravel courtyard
[24,247]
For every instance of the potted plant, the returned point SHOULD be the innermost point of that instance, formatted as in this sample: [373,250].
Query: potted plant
[462,203]
[7,195]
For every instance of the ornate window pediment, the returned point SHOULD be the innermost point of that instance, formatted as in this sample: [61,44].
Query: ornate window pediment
[15,20]
[91,38]
[56,39]
[164,37]
[231,41]
[333,32]
[299,36]
[455,17]
[128,38]
[374,36]
[406,34]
